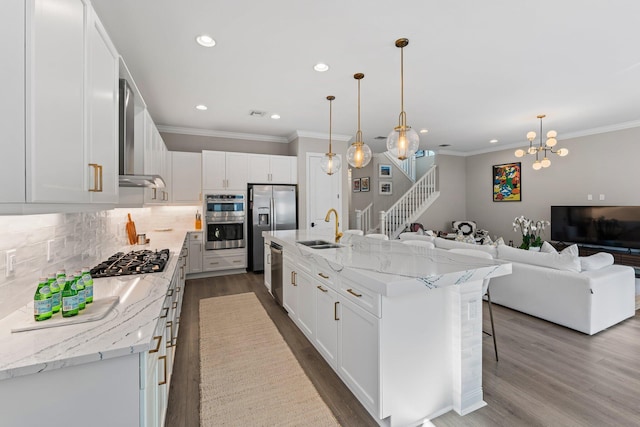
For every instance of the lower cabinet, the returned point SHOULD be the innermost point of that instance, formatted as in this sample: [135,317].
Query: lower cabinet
[224,259]
[195,245]
[342,325]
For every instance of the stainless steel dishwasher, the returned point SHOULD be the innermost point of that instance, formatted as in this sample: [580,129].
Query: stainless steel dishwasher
[276,272]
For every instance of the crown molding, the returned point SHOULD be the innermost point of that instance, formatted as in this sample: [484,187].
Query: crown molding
[318,135]
[221,134]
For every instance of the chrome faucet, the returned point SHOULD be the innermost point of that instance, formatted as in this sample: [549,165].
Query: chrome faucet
[328,217]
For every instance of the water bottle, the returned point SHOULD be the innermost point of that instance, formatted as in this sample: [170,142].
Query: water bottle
[77,278]
[56,299]
[69,298]
[42,309]
[87,280]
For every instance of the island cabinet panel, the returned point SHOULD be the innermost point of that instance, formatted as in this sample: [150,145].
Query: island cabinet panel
[358,354]
[290,287]
[327,324]
[306,305]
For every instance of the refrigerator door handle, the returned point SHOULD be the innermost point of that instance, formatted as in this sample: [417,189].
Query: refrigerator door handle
[273,214]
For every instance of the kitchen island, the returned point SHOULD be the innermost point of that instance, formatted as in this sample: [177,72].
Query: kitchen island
[401,325]
[112,371]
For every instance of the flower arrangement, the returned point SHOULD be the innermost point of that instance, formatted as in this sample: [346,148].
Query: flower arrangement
[530,230]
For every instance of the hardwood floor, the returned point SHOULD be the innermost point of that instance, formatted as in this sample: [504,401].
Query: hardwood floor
[548,375]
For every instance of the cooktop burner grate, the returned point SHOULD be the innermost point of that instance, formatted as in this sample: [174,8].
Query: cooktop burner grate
[134,262]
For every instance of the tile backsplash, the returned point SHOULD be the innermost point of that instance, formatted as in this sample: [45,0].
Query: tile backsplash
[77,240]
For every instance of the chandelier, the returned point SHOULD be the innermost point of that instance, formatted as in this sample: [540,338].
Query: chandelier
[403,141]
[359,153]
[542,149]
[330,163]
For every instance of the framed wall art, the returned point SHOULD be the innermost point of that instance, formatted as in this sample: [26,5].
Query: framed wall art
[386,188]
[507,182]
[364,185]
[384,171]
[356,185]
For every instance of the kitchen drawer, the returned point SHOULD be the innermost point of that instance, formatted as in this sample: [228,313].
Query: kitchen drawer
[300,264]
[196,236]
[325,276]
[213,262]
[361,296]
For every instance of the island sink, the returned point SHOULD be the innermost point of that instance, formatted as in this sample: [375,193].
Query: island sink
[319,244]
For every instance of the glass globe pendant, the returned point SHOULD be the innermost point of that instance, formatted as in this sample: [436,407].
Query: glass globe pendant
[359,153]
[330,163]
[402,141]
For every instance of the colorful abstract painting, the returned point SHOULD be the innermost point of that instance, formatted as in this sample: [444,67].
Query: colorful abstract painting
[507,183]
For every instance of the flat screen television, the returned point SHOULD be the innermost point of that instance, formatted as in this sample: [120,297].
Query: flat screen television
[612,226]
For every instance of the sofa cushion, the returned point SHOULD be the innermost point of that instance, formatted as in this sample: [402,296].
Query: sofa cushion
[415,236]
[596,261]
[565,261]
[451,244]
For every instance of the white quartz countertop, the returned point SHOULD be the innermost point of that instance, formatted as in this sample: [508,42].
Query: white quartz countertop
[127,329]
[389,267]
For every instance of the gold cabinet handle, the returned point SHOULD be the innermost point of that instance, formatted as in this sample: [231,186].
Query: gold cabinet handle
[324,276]
[292,277]
[97,178]
[170,292]
[322,289]
[170,326]
[166,312]
[354,293]
[164,380]
[155,350]
[178,289]
[181,273]
[335,310]
[155,194]
[295,279]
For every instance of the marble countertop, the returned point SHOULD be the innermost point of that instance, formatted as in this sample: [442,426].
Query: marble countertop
[389,267]
[127,329]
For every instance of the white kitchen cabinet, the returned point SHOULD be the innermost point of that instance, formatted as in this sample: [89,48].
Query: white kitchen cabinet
[358,353]
[326,340]
[224,170]
[306,304]
[267,266]
[56,156]
[290,287]
[186,178]
[12,101]
[102,123]
[196,246]
[155,163]
[224,259]
[267,169]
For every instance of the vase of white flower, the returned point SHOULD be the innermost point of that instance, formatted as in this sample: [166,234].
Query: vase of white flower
[531,231]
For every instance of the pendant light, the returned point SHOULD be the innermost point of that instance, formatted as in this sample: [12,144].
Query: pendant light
[403,141]
[359,154]
[330,163]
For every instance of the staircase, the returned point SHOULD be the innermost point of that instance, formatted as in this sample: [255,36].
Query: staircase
[407,166]
[409,207]
[363,219]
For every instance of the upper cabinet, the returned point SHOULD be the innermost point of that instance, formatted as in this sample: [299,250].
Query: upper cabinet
[224,171]
[60,104]
[267,169]
[186,177]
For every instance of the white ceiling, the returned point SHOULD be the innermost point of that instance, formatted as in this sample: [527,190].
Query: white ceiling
[474,70]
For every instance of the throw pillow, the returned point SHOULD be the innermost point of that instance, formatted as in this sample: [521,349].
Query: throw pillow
[499,241]
[565,261]
[547,248]
[596,261]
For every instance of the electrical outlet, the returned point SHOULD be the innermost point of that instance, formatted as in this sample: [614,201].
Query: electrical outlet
[10,262]
[602,197]
[589,196]
[50,254]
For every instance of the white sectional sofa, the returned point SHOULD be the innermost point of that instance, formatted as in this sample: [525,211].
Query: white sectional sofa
[561,288]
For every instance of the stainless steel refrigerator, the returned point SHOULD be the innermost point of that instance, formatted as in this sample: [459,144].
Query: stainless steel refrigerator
[271,208]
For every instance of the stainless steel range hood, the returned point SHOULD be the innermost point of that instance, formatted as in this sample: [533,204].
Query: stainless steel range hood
[127,165]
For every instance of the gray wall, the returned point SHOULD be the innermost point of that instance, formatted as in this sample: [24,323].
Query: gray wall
[197,143]
[605,164]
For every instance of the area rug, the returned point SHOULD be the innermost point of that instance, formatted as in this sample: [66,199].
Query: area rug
[248,374]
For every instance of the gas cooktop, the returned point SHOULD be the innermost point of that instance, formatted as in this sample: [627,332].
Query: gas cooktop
[134,262]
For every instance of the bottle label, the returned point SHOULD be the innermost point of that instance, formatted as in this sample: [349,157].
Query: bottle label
[42,306]
[70,303]
[88,291]
[55,299]
[45,290]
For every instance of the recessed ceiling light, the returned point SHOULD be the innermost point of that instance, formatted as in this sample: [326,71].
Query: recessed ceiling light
[275,116]
[201,107]
[321,67]
[205,40]
[424,130]
[493,141]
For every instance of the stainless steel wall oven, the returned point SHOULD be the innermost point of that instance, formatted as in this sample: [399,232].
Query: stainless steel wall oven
[225,221]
